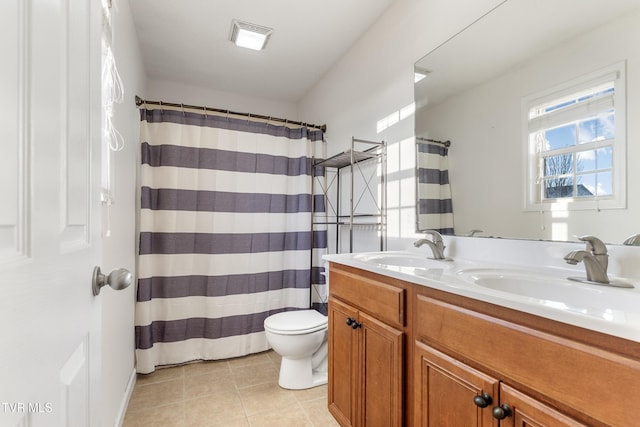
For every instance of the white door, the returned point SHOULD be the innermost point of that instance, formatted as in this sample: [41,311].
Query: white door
[49,212]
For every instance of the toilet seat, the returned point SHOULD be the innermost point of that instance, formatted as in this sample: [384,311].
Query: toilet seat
[295,322]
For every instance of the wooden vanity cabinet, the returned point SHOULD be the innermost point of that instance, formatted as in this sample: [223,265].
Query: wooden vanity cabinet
[405,354]
[450,393]
[366,351]
[529,412]
[445,390]
[532,376]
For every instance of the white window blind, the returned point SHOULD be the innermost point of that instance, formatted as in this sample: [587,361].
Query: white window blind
[574,137]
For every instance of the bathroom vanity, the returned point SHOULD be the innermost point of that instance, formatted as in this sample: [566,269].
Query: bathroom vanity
[423,346]
[367,353]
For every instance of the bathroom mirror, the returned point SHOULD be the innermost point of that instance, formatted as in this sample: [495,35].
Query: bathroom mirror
[473,95]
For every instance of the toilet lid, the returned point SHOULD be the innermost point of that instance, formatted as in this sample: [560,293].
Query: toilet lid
[296,322]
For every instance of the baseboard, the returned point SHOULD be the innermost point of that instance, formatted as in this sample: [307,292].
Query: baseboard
[125,400]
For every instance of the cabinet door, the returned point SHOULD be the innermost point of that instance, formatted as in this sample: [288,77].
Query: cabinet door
[445,390]
[343,363]
[528,412]
[381,383]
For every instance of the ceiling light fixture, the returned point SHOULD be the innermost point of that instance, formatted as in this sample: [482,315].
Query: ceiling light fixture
[248,35]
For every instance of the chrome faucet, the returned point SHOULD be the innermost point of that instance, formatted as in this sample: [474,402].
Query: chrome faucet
[595,259]
[632,240]
[436,245]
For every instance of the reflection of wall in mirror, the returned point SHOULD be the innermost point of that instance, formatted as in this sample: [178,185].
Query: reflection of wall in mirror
[485,126]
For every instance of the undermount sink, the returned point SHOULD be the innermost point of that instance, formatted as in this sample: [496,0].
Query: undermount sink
[400,259]
[554,291]
[518,282]
[544,291]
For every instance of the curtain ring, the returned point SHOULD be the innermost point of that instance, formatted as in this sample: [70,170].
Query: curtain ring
[182,107]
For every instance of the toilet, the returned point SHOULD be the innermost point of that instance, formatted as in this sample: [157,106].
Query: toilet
[300,337]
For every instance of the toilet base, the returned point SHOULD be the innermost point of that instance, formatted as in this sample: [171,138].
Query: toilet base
[297,374]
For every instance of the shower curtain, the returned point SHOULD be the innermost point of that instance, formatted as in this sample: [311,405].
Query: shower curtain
[435,208]
[225,233]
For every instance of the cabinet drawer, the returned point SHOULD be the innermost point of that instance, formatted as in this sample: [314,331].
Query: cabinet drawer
[385,302]
[558,369]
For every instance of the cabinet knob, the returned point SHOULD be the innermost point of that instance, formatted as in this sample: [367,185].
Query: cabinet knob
[483,400]
[501,412]
[353,323]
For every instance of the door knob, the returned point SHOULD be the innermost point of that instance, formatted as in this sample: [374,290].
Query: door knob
[118,279]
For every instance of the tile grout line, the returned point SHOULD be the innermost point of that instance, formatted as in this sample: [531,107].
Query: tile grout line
[301,400]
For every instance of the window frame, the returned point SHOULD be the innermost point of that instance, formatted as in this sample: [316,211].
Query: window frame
[532,183]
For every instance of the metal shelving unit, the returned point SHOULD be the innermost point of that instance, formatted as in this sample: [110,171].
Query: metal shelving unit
[354,162]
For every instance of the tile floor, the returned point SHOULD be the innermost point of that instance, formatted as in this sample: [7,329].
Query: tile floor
[235,392]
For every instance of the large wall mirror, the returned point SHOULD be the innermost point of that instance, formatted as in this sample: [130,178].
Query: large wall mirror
[478,92]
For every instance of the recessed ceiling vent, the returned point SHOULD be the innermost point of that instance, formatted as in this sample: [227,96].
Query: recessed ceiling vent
[248,35]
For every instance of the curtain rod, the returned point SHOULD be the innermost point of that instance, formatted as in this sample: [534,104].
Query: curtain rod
[446,143]
[140,102]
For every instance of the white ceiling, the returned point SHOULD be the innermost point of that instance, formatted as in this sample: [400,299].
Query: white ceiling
[187,41]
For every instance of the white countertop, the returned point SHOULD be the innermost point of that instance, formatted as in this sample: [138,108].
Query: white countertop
[613,311]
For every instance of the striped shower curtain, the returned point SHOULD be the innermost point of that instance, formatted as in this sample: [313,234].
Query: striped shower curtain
[435,208]
[225,233]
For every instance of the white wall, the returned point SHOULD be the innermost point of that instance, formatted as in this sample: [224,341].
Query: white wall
[179,93]
[374,80]
[119,249]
